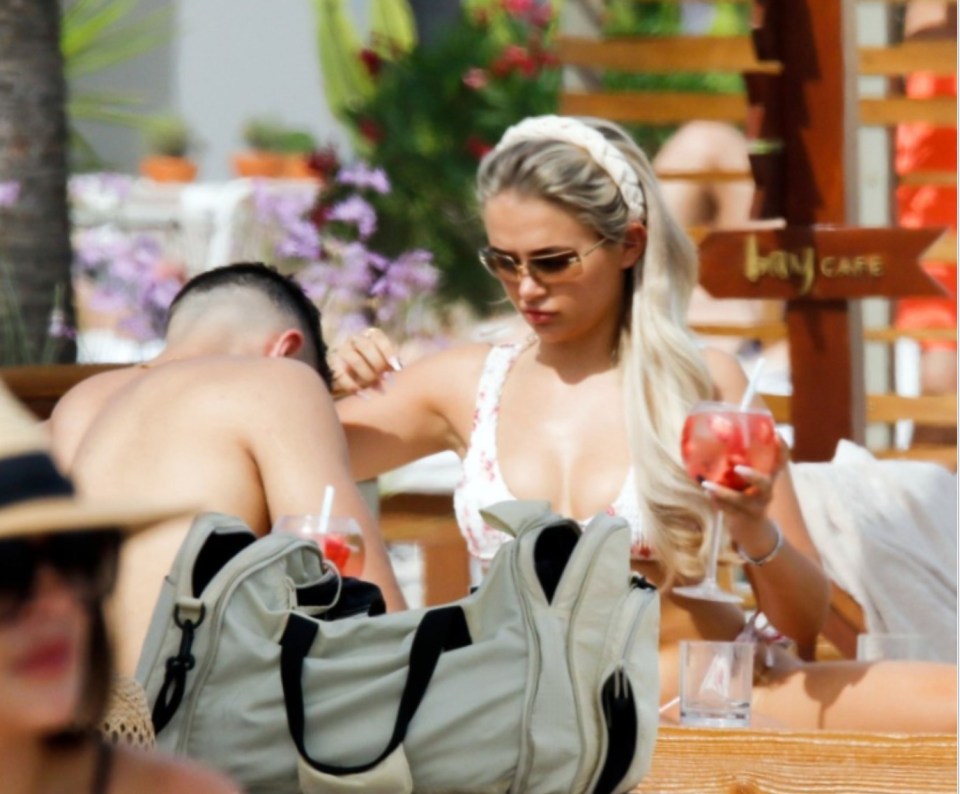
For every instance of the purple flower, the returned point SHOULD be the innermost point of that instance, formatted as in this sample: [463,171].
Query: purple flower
[58,327]
[363,176]
[357,211]
[103,190]
[130,275]
[9,193]
[287,215]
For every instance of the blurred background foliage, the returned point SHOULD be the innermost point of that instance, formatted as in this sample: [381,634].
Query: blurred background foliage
[629,18]
[427,112]
[97,35]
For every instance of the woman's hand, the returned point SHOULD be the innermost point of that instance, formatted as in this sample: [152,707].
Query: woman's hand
[745,511]
[363,362]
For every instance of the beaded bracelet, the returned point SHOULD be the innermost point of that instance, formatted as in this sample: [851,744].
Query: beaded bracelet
[758,561]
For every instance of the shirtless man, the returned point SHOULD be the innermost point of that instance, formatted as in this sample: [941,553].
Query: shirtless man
[231,417]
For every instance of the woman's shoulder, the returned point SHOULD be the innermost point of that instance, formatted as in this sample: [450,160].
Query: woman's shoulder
[726,373]
[156,773]
[458,361]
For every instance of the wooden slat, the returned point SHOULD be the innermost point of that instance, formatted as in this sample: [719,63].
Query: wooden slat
[933,55]
[897,110]
[779,405]
[705,761]
[924,178]
[892,335]
[765,332]
[665,54]
[664,107]
[705,176]
[428,521]
[945,455]
[39,387]
[889,2]
[938,410]
[775,331]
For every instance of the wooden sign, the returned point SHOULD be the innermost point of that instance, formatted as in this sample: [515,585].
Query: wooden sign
[818,262]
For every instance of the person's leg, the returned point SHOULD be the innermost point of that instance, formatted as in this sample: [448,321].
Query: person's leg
[909,697]
[702,146]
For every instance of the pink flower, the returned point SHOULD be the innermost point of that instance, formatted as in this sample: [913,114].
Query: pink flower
[476,79]
[541,16]
[519,8]
[513,58]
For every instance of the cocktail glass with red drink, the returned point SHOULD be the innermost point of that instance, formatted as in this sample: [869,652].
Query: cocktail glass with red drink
[718,437]
[339,538]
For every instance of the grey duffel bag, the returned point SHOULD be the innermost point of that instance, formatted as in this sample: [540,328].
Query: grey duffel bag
[545,679]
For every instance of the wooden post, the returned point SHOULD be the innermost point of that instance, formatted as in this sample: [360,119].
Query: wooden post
[816,174]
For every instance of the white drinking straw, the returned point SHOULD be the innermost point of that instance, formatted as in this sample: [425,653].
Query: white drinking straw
[752,384]
[326,509]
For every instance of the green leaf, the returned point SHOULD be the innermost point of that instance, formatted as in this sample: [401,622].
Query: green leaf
[392,22]
[346,83]
[97,34]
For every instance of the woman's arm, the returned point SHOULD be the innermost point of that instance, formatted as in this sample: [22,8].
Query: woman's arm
[425,408]
[791,588]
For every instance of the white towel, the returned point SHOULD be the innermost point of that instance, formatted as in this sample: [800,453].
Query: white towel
[887,534]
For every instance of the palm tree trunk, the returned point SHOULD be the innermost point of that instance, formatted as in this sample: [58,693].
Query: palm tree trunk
[35,232]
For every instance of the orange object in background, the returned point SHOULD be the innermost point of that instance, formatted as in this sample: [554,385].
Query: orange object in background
[256,163]
[164,168]
[925,147]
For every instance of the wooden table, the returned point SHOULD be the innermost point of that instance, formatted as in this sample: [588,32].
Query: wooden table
[709,761]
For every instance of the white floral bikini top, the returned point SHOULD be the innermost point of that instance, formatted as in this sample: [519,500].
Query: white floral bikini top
[481,483]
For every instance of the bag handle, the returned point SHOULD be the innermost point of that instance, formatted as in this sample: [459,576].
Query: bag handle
[443,629]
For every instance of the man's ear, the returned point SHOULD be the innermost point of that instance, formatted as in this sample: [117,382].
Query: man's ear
[635,243]
[286,345]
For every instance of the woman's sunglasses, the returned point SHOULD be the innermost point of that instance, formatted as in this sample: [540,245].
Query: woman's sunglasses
[86,561]
[547,268]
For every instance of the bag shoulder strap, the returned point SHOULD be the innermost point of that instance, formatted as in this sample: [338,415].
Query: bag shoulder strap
[442,629]
[516,516]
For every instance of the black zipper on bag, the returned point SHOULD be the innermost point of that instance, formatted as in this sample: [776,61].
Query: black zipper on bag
[620,720]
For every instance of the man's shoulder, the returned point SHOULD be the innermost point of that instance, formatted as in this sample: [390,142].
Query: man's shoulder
[91,392]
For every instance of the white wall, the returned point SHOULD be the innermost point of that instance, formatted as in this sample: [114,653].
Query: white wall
[229,60]
[235,59]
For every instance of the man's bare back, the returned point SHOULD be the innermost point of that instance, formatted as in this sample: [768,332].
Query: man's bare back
[234,415]
[181,427]
[254,437]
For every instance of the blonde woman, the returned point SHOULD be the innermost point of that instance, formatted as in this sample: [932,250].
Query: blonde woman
[587,413]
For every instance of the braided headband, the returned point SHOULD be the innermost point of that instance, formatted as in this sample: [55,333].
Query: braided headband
[603,153]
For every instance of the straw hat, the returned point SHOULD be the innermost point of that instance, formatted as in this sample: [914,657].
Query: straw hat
[36,499]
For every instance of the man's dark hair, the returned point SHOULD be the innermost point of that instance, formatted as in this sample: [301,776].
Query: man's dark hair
[282,291]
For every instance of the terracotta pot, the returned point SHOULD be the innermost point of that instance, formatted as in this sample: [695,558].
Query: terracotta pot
[254,163]
[295,166]
[162,168]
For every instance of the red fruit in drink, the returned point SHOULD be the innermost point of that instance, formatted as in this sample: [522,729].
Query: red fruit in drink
[336,550]
[727,431]
[714,442]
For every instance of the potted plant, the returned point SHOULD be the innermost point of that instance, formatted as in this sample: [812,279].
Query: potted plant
[297,146]
[264,153]
[168,142]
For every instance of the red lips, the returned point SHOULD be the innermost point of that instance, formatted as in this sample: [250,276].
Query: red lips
[47,659]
